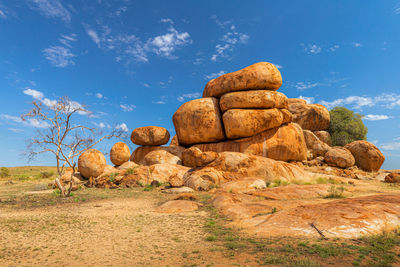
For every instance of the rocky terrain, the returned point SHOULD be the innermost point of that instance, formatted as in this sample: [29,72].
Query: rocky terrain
[266,159]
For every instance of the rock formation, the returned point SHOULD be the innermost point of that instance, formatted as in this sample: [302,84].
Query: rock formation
[150,136]
[119,153]
[91,163]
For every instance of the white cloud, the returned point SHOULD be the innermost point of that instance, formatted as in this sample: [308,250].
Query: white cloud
[15,130]
[390,146]
[129,46]
[229,40]
[334,48]
[67,39]
[358,102]
[59,56]
[214,75]
[278,66]
[52,9]
[160,102]
[313,49]
[2,14]
[98,95]
[182,98]
[310,100]
[307,85]
[355,44]
[122,127]
[34,93]
[28,122]
[127,107]
[372,117]
[146,85]
[397,11]
[101,125]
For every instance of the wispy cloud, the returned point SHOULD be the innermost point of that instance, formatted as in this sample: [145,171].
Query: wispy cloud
[51,9]
[214,75]
[331,79]
[67,39]
[356,44]
[334,48]
[59,56]
[183,97]
[130,47]
[390,146]
[2,12]
[28,122]
[373,117]
[312,49]
[127,107]
[307,85]
[358,102]
[99,95]
[229,40]
[122,127]
[310,100]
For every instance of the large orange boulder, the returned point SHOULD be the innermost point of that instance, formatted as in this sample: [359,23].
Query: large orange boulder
[313,117]
[140,153]
[248,122]
[198,121]
[91,163]
[150,136]
[259,76]
[285,143]
[315,145]
[367,156]
[194,157]
[339,157]
[324,136]
[119,153]
[253,99]
[160,157]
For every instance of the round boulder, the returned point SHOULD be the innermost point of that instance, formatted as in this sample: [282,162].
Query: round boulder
[119,153]
[367,156]
[313,117]
[150,136]
[91,163]
[253,99]
[339,157]
[198,121]
[259,76]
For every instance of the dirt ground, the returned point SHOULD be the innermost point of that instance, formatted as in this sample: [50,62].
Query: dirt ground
[120,227]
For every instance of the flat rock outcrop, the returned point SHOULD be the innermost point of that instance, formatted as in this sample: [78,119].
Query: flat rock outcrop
[91,163]
[199,121]
[259,76]
[367,155]
[150,136]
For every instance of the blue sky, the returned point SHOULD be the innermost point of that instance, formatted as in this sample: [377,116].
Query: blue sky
[133,63]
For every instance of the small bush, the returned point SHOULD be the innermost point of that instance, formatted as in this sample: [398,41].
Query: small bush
[45,174]
[112,177]
[4,172]
[335,192]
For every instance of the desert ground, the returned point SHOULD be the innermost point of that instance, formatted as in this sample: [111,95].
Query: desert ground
[121,227]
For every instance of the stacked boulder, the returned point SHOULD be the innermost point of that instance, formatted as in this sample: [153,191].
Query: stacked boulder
[242,112]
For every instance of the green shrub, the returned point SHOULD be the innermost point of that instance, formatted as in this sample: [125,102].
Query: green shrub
[335,192]
[346,126]
[45,174]
[4,172]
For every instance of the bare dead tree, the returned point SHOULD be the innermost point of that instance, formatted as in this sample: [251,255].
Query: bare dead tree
[62,138]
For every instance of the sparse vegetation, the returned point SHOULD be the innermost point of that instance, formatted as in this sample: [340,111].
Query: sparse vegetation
[346,126]
[4,172]
[335,192]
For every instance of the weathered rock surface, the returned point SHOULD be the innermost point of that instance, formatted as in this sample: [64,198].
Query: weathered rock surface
[253,99]
[339,157]
[367,156]
[313,117]
[199,121]
[246,185]
[141,152]
[285,143]
[119,153]
[324,136]
[259,76]
[174,141]
[178,190]
[150,136]
[177,206]
[202,179]
[392,178]
[194,157]
[160,157]
[91,163]
[315,145]
[248,122]
[127,165]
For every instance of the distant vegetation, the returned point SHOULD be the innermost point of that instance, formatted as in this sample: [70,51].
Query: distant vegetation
[346,126]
